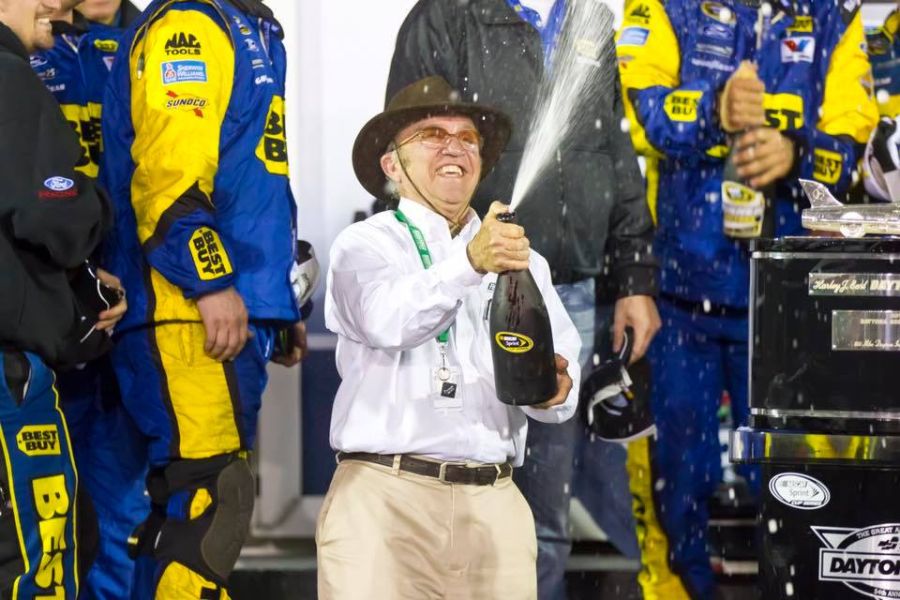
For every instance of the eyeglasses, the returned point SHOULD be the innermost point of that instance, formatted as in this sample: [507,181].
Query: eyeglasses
[438,137]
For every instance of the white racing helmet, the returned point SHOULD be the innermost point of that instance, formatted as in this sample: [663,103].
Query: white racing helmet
[304,273]
[881,162]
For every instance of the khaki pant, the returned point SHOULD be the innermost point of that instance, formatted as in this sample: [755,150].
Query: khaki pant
[385,535]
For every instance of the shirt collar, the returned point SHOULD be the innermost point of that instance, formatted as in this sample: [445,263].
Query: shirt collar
[11,42]
[433,225]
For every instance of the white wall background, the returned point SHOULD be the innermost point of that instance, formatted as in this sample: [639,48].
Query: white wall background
[341,51]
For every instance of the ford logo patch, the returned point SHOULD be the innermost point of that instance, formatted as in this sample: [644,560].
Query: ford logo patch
[59,184]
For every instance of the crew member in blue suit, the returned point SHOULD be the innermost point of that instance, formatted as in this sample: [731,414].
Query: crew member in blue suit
[205,241]
[784,88]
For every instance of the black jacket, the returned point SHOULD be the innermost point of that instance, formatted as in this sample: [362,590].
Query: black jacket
[591,202]
[51,217]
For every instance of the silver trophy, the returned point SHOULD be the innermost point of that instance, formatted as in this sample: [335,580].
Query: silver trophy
[827,213]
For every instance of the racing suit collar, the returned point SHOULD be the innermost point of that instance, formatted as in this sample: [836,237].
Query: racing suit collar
[78,26]
[11,42]
[256,8]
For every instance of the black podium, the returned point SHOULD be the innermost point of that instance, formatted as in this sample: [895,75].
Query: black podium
[825,416]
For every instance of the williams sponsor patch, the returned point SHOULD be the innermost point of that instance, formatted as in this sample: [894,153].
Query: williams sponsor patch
[633,36]
[184,71]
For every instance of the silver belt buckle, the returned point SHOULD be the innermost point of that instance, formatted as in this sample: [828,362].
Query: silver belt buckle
[499,473]
[442,472]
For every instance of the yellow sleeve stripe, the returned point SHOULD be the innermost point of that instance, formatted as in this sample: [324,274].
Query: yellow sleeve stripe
[656,62]
[847,107]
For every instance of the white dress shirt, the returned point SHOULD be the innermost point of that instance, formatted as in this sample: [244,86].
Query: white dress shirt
[388,310]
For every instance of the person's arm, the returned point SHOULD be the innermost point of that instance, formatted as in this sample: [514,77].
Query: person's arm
[848,114]
[630,246]
[178,106]
[53,207]
[667,117]
[566,343]
[368,302]
[429,43]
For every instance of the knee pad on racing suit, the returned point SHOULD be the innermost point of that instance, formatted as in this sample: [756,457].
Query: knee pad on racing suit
[200,515]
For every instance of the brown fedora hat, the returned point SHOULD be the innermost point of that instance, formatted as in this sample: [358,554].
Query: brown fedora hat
[425,98]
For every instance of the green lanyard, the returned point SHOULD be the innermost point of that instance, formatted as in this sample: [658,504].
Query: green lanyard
[425,255]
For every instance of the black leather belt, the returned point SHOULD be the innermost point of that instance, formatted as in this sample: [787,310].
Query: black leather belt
[448,472]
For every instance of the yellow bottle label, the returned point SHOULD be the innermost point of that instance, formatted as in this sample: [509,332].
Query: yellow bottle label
[516,343]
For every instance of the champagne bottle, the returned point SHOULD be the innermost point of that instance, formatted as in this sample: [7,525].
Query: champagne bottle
[521,339]
[747,212]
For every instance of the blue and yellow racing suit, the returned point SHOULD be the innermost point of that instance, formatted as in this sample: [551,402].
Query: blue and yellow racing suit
[110,454]
[196,163]
[884,54]
[38,487]
[75,71]
[674,59]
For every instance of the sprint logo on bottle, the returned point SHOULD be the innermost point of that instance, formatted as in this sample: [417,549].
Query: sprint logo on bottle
[866,560]
[515,343]
[38,440]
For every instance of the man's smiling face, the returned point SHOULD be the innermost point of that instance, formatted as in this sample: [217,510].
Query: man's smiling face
[446,173]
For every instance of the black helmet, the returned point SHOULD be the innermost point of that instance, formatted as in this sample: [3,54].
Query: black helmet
[616,397]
